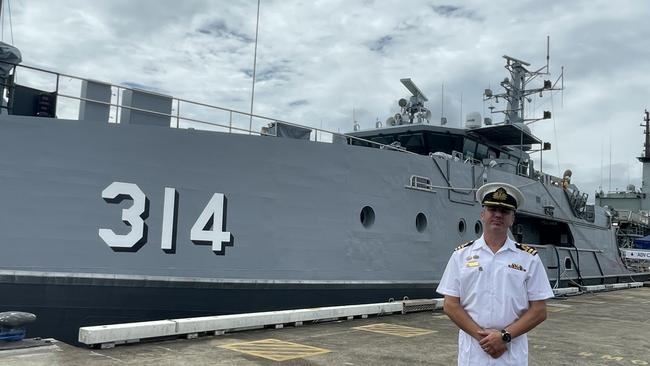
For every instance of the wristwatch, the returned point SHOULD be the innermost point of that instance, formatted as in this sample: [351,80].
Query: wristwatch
[505,336]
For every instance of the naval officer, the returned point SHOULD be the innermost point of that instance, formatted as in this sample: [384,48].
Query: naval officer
[495,289]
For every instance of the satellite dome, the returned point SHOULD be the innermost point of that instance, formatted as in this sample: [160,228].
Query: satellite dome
[473,120]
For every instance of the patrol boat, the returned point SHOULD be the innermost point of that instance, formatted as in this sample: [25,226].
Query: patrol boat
[130,212]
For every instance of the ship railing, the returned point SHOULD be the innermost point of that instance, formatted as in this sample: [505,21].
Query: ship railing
[639,217]
[185,113]
[547,179]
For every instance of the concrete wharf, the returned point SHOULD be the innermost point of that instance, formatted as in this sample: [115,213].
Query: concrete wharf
[604,328]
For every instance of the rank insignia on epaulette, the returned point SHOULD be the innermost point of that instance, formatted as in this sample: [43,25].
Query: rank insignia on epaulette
[526,248]
[464,245]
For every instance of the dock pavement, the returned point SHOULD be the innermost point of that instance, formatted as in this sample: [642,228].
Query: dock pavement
[607,328]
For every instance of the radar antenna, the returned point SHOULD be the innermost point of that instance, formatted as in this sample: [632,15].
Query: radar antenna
[517,92]
[413,109]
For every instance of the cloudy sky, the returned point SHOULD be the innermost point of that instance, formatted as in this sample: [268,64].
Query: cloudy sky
[319,60]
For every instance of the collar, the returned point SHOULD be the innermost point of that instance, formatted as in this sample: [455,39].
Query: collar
[508,245]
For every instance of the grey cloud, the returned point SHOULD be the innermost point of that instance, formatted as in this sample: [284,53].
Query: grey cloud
[218,28]
[297,103]
[446,10]
[280,71]
[264,74]
[452,11]
[382,42]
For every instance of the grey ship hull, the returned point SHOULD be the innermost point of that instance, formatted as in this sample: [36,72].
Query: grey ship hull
[63,308]
[292,209]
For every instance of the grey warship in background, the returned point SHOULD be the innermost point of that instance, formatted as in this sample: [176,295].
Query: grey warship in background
[130,212]
[630,209]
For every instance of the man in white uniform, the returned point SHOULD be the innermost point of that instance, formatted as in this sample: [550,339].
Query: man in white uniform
[494,288]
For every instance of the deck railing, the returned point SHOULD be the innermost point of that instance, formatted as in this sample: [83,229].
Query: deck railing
[185,113]
[639,217]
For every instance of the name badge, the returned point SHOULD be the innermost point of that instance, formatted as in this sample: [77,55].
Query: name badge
[472,264]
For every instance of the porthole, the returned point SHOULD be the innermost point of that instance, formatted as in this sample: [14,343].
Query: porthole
[567,263]
[478,228]
[367,217]
[421,222]
[461,226]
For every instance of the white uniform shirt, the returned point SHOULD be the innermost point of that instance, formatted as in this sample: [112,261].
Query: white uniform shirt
[494,289]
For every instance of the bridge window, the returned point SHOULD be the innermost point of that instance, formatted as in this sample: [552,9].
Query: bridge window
[385,140]
[412,142]
[469,147]
[446,143]
[481,152]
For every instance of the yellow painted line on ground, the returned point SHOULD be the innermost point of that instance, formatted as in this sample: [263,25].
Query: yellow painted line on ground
[552,309]
[394,329]
[275,349]
[559,305]
[592,302]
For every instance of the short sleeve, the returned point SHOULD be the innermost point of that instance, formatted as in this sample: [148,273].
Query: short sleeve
[450,281]
[538,285]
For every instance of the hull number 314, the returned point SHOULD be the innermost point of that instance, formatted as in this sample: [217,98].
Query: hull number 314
[134,216]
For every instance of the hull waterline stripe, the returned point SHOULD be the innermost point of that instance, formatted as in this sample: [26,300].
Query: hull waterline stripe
[8,274]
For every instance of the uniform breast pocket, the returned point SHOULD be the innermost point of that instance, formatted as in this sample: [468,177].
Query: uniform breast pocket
[470,281]
[469,274]
[516,280]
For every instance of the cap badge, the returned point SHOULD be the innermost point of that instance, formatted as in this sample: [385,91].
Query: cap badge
[500,194]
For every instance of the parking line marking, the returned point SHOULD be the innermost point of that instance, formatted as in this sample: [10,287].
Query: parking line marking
[394,329]
[275,349]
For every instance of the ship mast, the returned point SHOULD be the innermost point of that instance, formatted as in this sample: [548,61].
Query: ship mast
[516,93]
[645,160]
[646,146]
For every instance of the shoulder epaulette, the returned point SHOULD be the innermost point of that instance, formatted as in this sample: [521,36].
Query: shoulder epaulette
[464,245]
[526,248]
